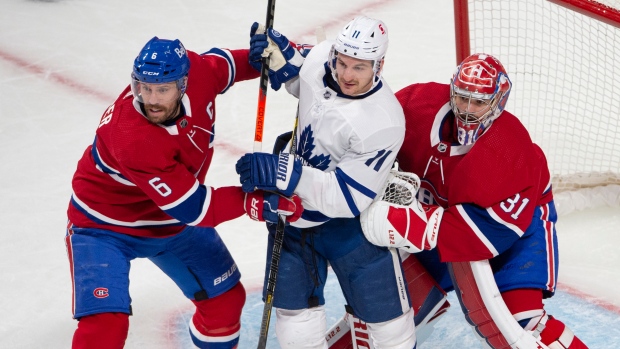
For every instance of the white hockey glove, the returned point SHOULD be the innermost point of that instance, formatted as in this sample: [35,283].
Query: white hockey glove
[285,58]
[398,220]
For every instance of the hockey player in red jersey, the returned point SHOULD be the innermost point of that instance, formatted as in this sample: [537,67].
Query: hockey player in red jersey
[485,193]
[138,193]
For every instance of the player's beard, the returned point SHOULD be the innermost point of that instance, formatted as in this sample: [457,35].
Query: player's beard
[158,114]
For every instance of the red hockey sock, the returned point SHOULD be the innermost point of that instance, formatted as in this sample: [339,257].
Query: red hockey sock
[556,331]
[101,331]
[220,316]
[523,299]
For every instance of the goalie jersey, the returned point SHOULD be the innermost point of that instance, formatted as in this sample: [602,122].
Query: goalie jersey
[490,190]
[143,179]
[347,144]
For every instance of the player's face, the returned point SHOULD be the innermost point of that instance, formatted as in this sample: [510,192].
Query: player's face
[471,109]
[354,75]
[161,101]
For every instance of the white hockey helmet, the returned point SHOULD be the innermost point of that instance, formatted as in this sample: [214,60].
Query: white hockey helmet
[362,38]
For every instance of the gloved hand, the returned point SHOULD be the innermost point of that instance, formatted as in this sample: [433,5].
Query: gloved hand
[272,172]
[414,228]
[265,206]
[285,57]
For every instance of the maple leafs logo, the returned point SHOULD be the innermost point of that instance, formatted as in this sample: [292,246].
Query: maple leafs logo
[305,145]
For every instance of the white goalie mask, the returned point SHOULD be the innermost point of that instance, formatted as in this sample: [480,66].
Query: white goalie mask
[363,38]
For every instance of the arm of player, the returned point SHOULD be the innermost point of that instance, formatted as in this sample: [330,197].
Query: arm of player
[228,67]
[471,233]
[285,57]
[209,206]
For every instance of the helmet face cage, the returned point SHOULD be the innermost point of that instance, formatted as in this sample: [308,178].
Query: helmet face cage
[480,77]
[363,38]
[160,61]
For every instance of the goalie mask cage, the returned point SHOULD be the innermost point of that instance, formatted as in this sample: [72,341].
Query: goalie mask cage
[563,58]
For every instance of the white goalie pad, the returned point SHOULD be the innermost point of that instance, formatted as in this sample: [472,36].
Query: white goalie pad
[485,309]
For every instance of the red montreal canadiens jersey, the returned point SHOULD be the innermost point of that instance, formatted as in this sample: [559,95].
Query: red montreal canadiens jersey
[143,179]
[489,190]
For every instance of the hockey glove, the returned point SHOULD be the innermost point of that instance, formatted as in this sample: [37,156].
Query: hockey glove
[272,172]
[414,228]
[265,206]
[285,58]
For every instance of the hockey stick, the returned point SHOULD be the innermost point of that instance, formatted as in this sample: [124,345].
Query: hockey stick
[258,142]
[264,79]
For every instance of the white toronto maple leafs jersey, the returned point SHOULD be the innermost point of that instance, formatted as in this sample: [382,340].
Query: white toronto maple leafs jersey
[347,144]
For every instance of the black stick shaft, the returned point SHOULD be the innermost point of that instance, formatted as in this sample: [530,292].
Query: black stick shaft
[279,236]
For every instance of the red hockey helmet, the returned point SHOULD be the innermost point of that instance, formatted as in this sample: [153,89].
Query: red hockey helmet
[478,93]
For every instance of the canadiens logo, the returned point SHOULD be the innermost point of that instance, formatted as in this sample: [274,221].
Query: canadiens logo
[101,292]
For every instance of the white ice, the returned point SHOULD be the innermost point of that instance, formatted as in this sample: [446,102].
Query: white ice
[62,62]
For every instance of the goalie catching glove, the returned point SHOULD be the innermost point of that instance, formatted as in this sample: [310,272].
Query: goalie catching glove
[285,58]
[264,206]
[397,220]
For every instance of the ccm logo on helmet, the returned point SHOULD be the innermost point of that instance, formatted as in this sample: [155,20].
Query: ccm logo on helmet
[144,72]
[101,292]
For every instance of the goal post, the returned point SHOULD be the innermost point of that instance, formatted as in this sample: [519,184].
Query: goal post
[563,58]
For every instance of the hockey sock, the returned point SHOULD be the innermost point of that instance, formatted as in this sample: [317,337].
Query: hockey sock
[101,331]
[216,323]
[557,335]
[527,307]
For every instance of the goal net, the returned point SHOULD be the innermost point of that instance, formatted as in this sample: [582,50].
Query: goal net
[563,58]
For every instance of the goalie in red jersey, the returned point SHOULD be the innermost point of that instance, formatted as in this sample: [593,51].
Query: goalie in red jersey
[138,192]
[484,194]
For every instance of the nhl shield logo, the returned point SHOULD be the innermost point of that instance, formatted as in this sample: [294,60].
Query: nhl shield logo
[183,123]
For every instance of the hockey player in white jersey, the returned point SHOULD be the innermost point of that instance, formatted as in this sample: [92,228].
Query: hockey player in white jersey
[349,129]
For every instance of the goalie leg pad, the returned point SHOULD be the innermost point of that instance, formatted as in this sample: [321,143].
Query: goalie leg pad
[398,333]
[428,299]
[302,328]
[101,331]
[216,322]
[485,309]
